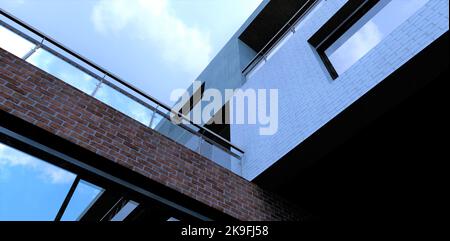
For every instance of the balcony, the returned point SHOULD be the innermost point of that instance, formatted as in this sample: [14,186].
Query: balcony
[42,51]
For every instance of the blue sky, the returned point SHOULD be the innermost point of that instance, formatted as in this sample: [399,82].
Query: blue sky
[33,190]
[158,45]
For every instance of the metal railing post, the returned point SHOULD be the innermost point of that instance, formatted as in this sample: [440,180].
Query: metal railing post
[33,50]
[292,28]
[200,143]
[98,86]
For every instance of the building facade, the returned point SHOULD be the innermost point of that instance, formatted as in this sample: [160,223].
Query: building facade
[309,96]
[323,56]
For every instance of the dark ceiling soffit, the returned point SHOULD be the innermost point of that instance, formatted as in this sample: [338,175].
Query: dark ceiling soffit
[270,21]
[426,66]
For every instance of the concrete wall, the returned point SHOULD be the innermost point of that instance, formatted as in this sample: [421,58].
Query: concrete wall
[309,98]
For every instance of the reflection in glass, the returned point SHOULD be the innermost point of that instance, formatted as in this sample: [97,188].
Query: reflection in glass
[63,70]
[30,189]
[125,211]
[13,43]
[221,157]
[157,118]
[84,196]
[370,30]
[124,104]
[68,73]
[191,141]
[169,129]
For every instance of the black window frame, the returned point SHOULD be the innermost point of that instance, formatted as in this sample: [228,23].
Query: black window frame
[337,26]
[32,140]
[196,97]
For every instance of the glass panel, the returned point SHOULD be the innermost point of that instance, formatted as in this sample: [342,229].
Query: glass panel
[170,130]
[124,104]
[13,43]
[63,70]
[236,165]
[189,140]
[157,118]
[125,211]
[30,189]
[178,134]
[84,196]
[369,31]
[193,142]
[220,156]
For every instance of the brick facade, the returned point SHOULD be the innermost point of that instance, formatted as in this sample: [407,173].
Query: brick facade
[47,102]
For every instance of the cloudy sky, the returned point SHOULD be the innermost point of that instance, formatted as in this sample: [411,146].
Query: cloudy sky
[158,45]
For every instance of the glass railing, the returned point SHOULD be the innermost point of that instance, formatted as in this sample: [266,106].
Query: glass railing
[281,37]
[75,70]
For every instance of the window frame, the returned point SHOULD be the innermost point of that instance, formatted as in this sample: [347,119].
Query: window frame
[336,27]
[27,138]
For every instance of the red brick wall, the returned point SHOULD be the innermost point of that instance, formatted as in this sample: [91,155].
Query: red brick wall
[47,102]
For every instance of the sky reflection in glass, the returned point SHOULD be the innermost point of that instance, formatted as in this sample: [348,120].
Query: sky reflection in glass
[30,189]
[369,31]
[124,104]
[63,70]
[13,43]
[84,196]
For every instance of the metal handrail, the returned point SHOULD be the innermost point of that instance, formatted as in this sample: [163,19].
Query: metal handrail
[114,77]
[106,82]
[278,36]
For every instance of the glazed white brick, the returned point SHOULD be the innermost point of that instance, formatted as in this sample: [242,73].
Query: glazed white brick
[308,98]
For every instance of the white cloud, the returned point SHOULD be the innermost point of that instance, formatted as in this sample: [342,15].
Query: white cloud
[12,158]
[154,21]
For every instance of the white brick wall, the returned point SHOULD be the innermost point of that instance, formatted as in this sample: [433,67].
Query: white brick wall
[308,98]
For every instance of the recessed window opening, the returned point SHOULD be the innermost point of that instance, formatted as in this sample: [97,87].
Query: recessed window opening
[362,30]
